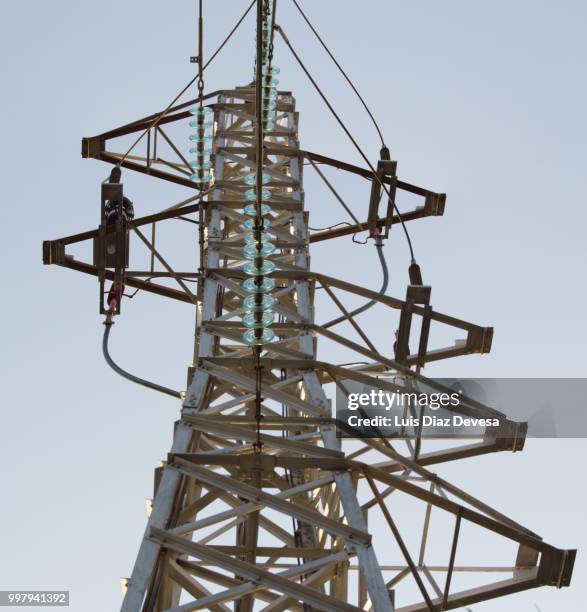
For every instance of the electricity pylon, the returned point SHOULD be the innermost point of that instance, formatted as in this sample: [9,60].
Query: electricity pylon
[280,513]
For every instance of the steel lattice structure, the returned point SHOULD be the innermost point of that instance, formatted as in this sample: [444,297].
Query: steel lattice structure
[288,528]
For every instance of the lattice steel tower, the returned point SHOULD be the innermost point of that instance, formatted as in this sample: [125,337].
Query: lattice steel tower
[260,506]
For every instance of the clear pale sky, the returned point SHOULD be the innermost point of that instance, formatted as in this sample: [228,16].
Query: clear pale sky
[482,100]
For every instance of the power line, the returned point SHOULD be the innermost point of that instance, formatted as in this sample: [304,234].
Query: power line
[349,135]
[344,74]
[192,81]
[229,36]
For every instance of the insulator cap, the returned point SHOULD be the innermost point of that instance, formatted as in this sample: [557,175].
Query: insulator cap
[115,175]
[415,274]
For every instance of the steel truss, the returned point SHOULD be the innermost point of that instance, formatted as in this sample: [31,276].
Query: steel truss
[288,528]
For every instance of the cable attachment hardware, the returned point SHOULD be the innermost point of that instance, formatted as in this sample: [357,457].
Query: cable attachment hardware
[386,173]
[417,294]
[111,245]
[415,273]
[201,122]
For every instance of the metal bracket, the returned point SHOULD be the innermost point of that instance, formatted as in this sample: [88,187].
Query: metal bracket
[92,147]
[386,171]
[111,248]
[416,294]
[53,252]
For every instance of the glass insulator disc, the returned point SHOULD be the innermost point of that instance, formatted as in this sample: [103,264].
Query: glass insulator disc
[266,285]
[253,304]
[266,268]
[250,319]
[250,338]
[250,251]
[251,210]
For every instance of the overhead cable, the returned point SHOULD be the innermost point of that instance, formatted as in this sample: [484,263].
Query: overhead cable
[376,177]
[192,81]
[341,70]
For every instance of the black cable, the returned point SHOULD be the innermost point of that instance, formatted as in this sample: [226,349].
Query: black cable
[200,53]
[139,381]
[351,363]
[150,278]
[229,35]
[344,74]
[323,229]
[258,227]
[349,135]
[384,269]
[336,194]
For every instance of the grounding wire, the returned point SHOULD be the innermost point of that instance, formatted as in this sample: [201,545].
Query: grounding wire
[370,303]
[336,194]
[330,227]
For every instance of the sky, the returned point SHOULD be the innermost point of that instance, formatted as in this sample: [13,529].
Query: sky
[483,101]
